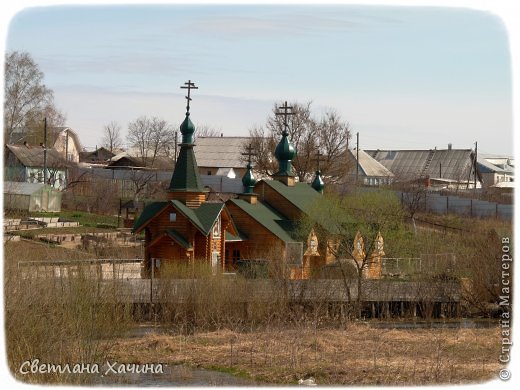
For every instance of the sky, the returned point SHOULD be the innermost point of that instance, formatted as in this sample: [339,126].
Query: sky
[403,77]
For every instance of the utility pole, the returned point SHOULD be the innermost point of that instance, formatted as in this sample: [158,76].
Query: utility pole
[45,150]
[475,177]
[67,157]
[175,156]
[357,157]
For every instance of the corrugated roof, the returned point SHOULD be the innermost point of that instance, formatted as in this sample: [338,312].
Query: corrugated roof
[301,194]
[221,152]
[21,188]
[32,156]
[267,217]
[453,164]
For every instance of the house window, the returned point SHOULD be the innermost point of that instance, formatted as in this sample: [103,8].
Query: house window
[173,217]
[236,255]
[209,173]
[216,229]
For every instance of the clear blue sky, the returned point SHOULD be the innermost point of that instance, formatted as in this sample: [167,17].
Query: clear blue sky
[403,77]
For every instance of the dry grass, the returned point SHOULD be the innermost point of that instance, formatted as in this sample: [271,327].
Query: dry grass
[358,355]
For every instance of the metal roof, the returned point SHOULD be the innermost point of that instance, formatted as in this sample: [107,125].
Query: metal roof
[301,194]
[369,166]
[221,152]
[32,156]
[453,164]
[265,216]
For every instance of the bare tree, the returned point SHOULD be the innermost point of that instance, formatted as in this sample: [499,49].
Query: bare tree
[27,99]
[139,136]
[207,131]
[151,137]
[112,136]
[329,135]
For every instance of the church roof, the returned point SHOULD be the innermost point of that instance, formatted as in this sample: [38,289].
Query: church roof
[301,194]
[150,210]
[186,175]
[267,217]
[203,217]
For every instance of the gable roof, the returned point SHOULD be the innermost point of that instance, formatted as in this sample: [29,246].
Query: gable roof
[203,217]
[453,164]
[267,217]
[32,156]
[369,166]
[301,194]
[149,211]
[221,152]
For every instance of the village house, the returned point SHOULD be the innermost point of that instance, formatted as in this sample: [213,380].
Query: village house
[62,139]
[221,156]
[436,168]
[25,163]
[367,170]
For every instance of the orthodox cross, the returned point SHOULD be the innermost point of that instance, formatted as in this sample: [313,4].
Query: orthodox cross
[285,114]
[249,153]
[317,159]
[189,86]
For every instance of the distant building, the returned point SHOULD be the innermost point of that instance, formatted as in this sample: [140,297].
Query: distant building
[63,139]
[99,156]
[497,171]
[371,172]
[221,155]
[438,168]
[24,163]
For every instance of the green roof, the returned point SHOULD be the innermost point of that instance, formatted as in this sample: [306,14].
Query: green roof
[186,175]
[232,237]
[149,211]
[203,217]
[176,236]
[301,194]
[267,217]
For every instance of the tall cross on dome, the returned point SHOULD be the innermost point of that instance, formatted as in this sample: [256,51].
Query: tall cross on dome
[285,114]
[317,159]
[189,86]
[249,153]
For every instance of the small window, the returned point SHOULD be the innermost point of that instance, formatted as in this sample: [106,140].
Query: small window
[173,217]
[209,173]
[236,254]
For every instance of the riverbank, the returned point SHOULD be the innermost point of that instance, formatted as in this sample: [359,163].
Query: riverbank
[357,355]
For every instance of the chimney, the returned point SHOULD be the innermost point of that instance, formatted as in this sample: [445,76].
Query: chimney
[221,135]
[25,144]
[449,146]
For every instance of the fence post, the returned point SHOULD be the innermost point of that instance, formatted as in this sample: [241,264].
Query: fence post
[471,207]
[447,204]
[496,210]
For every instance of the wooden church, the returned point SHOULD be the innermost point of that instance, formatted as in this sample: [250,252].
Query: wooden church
[260,223]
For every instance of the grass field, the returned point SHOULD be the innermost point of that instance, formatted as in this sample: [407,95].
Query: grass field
[358,355]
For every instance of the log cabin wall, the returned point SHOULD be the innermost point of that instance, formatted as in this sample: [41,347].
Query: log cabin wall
[190,199]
